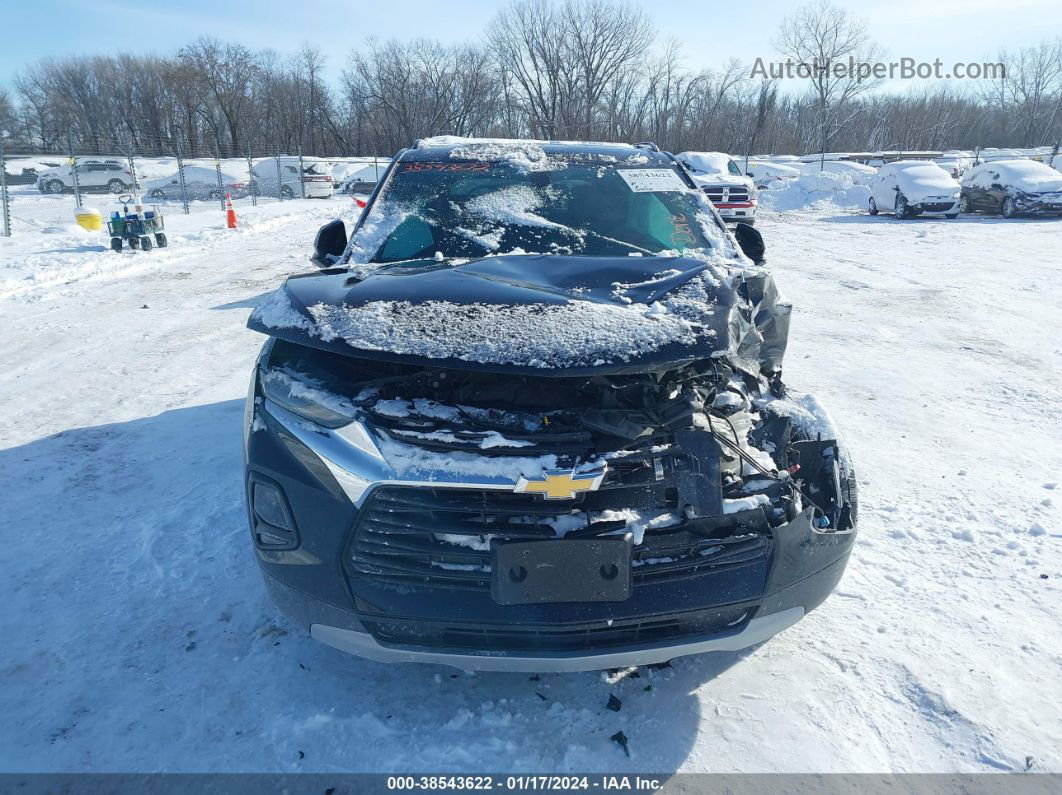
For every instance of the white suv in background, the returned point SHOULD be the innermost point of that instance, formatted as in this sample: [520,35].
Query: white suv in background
[113,176]
[732,193]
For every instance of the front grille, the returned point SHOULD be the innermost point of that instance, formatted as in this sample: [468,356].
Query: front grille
[442,536]
[578,637]
[936,207]
[484,431]
[718,194]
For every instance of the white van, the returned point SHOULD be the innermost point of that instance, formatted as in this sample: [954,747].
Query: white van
[309,177]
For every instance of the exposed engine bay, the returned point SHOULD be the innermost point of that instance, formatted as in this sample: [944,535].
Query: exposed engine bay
[697,454]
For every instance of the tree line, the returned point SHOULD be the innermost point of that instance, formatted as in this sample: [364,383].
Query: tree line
[554,69]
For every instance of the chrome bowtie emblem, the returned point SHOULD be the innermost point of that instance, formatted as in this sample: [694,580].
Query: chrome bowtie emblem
[560,484]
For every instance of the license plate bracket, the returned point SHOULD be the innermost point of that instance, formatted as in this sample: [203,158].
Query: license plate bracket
[562,570]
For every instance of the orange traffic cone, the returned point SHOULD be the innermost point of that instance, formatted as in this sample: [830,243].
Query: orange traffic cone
[230,212]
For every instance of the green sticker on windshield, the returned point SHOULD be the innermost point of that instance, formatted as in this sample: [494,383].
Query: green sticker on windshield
[651,180]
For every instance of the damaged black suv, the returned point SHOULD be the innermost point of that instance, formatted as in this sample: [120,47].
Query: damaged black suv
[531,417]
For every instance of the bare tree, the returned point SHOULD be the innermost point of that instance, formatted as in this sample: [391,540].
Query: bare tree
[226,73]
[560,59]
[819,38]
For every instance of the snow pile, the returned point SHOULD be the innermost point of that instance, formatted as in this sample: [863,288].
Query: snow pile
[574,334]
[276,311]
[823,190]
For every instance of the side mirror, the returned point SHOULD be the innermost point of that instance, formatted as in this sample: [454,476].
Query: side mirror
[751,242]
[329,245]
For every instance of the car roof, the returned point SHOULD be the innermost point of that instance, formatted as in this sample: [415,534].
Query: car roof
[901,164]
[430,149]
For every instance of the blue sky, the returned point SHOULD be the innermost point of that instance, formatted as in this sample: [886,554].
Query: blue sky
[710,32]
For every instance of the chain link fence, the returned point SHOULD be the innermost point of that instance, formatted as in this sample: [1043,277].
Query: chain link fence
[43,190]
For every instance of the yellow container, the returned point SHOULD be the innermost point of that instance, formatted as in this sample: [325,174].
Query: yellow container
[89,218]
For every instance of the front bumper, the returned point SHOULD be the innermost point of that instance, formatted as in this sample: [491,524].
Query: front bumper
[363,644]
[383,621]
[938,207]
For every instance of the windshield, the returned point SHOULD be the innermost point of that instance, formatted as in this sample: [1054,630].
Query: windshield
[471,209]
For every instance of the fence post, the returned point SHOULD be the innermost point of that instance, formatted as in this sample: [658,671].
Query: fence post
[132,171]
[302,174]
[221,190]
[73,170]
[280,182]
[252,186]
[180,176]
[3,189]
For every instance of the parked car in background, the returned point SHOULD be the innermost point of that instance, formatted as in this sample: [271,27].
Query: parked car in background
[112,176]
[364,179]
[1012,187]
[914,187]
[770,175]
[732,193]
[309,177]
[368,168]
[26,170]
[860,174]
[200,182]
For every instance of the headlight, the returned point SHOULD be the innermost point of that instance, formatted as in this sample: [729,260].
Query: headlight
[307,399]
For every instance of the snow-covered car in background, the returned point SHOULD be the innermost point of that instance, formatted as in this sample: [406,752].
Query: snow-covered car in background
[768,175]
[1012,187]
[460,452]
[859,173]
[732,193]
[292,177]
[364,178]
[200,182]
[914,187]
[112,176]
[363,169]
[26,170]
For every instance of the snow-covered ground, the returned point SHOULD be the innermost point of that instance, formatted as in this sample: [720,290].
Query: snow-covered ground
[138,637]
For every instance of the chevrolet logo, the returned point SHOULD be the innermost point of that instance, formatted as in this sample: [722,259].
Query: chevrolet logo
[559,484]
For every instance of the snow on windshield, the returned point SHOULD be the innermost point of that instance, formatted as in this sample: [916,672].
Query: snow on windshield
[467,209]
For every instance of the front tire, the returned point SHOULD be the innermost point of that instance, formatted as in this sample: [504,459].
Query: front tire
[872,206]
[158,194]
[55,186]
[903,210]
[116,244]
[160,240]
[287,192]
[116,186]
[964,204]
[145,243]
[1008,208]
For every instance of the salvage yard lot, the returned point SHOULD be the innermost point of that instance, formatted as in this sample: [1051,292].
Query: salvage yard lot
[139,636]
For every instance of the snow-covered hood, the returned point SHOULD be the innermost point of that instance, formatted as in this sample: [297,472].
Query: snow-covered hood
[711,168]
[926,182]
[706,180]
[541,314]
